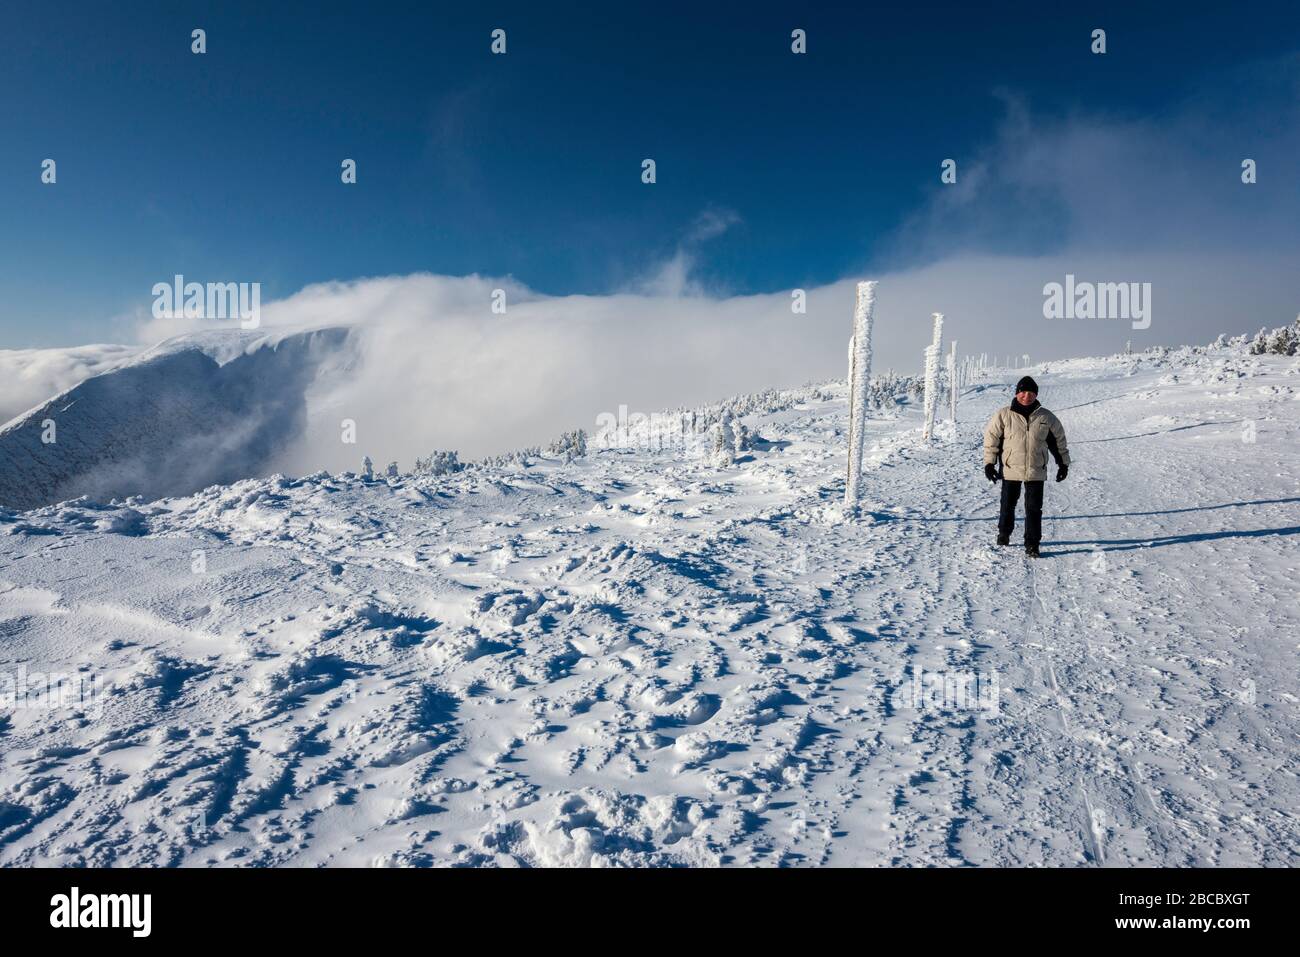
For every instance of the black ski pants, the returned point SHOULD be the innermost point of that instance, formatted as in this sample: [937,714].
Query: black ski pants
[1033,510]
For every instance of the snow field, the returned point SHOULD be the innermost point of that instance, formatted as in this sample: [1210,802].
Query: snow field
[641,658]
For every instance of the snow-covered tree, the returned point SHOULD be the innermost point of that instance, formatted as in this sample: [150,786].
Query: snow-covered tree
[743,436]
[1282,342]
[519,457]
[438,463]
[859,387]
[392,470]
[367,468]
[724,443]
[571,445]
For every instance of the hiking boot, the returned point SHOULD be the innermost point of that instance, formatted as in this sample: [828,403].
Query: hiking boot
[1031,551]
[1004,539]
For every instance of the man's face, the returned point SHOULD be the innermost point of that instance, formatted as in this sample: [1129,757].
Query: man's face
[1026,398]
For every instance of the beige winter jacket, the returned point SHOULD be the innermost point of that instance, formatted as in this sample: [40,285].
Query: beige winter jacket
[1023,444]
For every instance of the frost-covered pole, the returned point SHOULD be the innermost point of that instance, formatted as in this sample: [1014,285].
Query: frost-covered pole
[859,387]
[932,375]
[928,376]
[848,383]
[952,383]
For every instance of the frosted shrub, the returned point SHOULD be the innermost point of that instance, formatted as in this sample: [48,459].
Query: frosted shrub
[517,457]
[438,463]
[571,445]
[744,438]
[724,443]
[889,389]
[1282,342]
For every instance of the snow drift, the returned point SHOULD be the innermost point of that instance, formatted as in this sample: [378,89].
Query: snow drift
[191,412]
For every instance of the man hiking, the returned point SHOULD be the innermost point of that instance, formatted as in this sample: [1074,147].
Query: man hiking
[1022,435]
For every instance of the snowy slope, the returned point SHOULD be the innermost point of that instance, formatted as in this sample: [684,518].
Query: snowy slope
[640,658]
[191,412]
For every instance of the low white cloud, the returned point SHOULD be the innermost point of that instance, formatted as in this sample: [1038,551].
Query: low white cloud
[431,366]
[30,376]
[434,368]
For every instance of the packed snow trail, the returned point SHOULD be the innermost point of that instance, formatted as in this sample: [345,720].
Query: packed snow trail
[639,658]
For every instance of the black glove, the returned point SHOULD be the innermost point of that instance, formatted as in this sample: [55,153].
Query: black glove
[990,473]
[1061,472]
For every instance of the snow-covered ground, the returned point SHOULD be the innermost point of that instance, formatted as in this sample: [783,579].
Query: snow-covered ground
[642,658]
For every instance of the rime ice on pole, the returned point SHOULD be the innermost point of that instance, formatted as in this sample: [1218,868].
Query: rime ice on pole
[952,384]
[932,375]
[859,386]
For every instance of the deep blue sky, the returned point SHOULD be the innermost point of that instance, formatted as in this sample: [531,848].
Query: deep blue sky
[226,166]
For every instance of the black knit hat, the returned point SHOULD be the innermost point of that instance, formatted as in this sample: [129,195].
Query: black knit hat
[1027,385]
